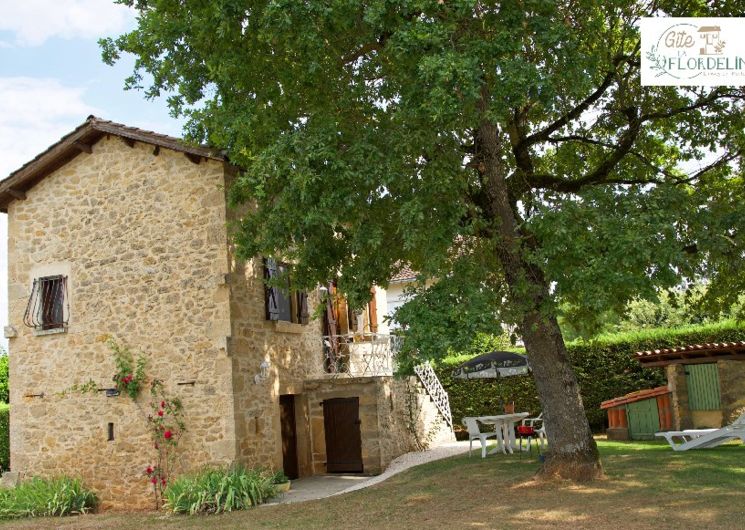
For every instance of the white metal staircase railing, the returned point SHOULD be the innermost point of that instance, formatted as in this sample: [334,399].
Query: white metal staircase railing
[434,388]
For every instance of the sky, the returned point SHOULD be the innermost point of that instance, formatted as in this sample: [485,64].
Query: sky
[52,78]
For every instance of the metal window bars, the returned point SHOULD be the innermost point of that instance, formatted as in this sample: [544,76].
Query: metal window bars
[48,306]
[360,354]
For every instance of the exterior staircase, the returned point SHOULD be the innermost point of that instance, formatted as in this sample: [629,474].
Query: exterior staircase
[436,391]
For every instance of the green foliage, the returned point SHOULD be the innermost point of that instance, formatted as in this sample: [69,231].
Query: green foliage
[4,437]
[89,387]
[4,388]
[357,126]
[130,374]
[219,490]
[279,477]
[605,369]
[671,308]
[46,497]
[506,149]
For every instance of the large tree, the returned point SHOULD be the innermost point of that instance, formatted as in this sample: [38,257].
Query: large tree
[505,148]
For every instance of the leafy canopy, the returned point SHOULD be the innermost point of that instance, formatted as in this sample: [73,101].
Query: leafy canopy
[355,123]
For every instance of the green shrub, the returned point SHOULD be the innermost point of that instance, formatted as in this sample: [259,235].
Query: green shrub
[4,437]
[605,369]
[279,477]
[4,389]
[219,490]
[46,497]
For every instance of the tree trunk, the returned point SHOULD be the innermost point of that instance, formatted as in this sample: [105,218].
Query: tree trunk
[572,452]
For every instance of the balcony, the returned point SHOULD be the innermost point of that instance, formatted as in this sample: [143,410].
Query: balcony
[360,354]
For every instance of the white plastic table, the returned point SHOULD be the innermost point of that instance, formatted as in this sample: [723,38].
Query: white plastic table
[504,426]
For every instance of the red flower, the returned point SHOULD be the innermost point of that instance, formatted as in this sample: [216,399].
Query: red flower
[154,480]
[162,404]
[163,481]
[167,435]
[160,413]
[149,470]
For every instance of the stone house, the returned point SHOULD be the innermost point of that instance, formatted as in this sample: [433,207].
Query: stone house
[116,231]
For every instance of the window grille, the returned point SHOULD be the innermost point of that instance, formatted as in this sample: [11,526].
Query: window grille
[48,306]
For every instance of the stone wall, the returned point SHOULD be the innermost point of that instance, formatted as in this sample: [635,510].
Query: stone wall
[143,241]
[294,352]
[408,419]
[732,394]
[732,389]
[397,416]
[676,380]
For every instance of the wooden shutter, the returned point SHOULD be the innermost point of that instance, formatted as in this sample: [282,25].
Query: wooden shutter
[284,302]
[302,307]
[271,294]
[373,312]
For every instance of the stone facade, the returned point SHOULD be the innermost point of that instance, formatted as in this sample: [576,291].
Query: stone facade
[397,416]
[731,390]
[141,234]
[142,239]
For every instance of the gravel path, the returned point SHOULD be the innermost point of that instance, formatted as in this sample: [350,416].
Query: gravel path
[408,460]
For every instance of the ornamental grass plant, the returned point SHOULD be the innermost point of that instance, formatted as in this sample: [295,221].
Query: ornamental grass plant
[219,490]
[46,497]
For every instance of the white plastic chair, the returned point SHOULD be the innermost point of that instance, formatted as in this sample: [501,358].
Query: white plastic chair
[539,431]
[705,438]
[474,433]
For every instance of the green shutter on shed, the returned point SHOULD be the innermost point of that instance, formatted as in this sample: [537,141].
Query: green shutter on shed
[644,420]
[703,386]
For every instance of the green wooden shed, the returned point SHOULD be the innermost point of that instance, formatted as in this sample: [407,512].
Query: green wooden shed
[639,415]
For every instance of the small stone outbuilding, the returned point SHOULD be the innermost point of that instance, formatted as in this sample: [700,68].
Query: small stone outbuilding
[706,382]
[116,231]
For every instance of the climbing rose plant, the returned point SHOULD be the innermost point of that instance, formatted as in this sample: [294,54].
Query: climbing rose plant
[166,426]
[130,373]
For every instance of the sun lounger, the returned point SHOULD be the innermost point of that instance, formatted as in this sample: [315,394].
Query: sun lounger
[705,438]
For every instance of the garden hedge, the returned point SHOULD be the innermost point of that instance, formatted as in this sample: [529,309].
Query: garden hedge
[4,437]
[605,369]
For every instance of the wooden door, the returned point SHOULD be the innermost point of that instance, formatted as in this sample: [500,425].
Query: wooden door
[703,386]
[289,435]
[644,419]
[341,420]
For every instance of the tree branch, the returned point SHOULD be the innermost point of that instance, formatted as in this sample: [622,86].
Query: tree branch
[701,102]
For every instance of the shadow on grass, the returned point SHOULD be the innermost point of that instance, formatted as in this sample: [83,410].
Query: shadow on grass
[648,486]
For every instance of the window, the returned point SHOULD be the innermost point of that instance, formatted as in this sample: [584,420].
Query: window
[280,301]
[342,320]
[47,307]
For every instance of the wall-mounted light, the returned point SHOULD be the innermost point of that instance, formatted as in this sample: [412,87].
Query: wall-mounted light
[263,374]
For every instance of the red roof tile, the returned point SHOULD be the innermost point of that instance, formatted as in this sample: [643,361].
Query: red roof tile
[405,274]
[692,353]
[635,396]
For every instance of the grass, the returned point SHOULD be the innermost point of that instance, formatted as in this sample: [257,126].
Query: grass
[648,486]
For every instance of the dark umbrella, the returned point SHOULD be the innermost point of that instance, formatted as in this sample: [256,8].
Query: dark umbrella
[492,365]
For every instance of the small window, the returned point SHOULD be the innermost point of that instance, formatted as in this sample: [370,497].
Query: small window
[280,301]
[47,307]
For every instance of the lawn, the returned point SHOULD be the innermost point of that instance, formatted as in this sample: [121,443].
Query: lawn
[648,486]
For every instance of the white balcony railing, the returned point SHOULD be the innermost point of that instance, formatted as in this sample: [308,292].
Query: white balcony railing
[360,354]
